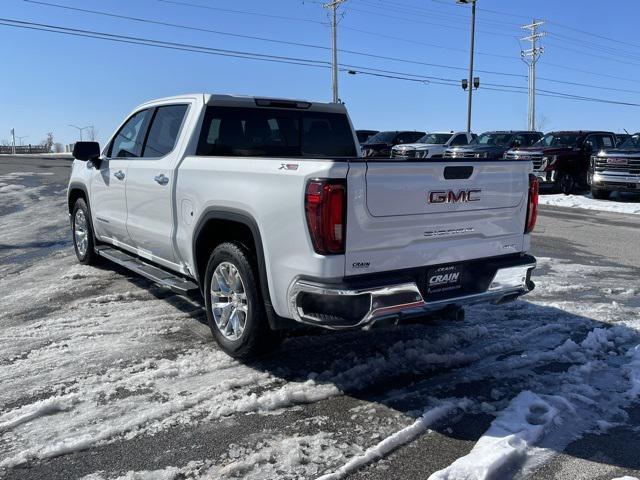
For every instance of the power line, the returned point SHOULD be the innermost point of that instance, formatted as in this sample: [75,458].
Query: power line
[429,13]
[365,54]
[159,43]
[592,34]
[174,25]
[277,59]
[590,54]
[243,12]
[253,37]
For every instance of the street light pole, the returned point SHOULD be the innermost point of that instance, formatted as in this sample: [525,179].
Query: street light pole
[80,129]
[473,36]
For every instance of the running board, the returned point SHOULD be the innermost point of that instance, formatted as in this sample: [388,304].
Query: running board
[162,277]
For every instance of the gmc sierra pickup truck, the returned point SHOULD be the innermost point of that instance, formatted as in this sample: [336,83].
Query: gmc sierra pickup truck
[561,159]
[616,170]
[264,206]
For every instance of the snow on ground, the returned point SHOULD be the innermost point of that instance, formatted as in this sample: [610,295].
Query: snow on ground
[619,203]
[90,357]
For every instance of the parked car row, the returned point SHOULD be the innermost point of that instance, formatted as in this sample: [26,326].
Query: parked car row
[564,160]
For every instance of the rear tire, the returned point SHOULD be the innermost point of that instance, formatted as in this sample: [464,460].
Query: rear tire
[566,183]
[235,309]
[82,231]
[600,194]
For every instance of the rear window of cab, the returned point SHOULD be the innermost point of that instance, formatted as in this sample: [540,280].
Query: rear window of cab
[275,132]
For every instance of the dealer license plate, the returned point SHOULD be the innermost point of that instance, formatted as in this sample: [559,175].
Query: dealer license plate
[444,279]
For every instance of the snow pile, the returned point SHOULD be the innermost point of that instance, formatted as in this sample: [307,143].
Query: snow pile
[618,204]
[396,440]
[633,371]
[518,427]
[294,457]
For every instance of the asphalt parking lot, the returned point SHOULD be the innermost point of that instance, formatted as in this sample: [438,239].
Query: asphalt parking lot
[104,375]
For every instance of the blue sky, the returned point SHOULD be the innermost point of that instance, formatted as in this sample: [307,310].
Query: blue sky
[51,80]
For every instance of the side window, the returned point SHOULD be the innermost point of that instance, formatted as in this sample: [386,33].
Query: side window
[520,140]
[164,130]
[533,138]
[459,140]
[406,137]
[592,142]
[130,138]
[606,141]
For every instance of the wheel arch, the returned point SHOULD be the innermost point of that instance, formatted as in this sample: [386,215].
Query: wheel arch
[76,191]
[218,225]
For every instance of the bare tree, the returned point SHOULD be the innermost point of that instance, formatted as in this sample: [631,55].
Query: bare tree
[47,143]
[92,133]
[542,122]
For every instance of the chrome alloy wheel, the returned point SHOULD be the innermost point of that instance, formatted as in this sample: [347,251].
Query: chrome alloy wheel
[81,232]
[229,301]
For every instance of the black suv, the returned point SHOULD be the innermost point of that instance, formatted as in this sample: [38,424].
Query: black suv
[494,144]
[364,135]
[381,143]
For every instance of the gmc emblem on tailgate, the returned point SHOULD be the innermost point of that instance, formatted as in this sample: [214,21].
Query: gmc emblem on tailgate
[463,196]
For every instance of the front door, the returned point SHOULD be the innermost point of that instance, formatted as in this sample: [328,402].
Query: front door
[150,186]
[108,192]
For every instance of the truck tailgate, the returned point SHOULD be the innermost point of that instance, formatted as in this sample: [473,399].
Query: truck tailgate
[413,214]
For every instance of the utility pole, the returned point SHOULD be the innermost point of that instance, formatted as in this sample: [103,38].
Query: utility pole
[334,27]
[20,139]
[13,141]
[530,57]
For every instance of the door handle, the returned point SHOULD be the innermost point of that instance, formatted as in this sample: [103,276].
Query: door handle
[161,179]
[119,175]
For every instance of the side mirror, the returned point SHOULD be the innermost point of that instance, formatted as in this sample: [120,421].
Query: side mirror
[86,151]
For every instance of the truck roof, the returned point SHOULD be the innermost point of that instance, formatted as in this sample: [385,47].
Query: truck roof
[252,101]
[512,131]
[579,132]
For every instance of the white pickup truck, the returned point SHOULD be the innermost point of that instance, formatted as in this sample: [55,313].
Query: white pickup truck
[265,207]
[432,145]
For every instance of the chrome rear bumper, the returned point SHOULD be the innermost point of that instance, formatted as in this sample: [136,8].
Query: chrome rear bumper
[404,299]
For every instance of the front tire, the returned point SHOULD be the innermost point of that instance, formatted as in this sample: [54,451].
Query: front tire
[600,194]
[566,183]
[82,231]
[235,309]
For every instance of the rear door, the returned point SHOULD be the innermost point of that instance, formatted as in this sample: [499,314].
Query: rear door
[412,214]
[150,180]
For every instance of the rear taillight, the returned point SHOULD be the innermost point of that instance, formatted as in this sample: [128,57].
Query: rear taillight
[532,205]
[325,208]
